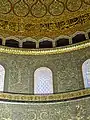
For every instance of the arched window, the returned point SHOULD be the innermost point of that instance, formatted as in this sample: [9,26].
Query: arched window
[62,42]
[86,73]
[43,81]
[2,74]
[29,44]
[12,43]
[45,44]
[78,38]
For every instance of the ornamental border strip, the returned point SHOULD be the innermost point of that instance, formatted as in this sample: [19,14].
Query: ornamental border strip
[44,98]
[13,7]
[20,51]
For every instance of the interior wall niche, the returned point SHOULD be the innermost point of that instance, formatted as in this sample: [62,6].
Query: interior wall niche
[29,44]
[78,38]
[12,43]
[45,44]
[62,42]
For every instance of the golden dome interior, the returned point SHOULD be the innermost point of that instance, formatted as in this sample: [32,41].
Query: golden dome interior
[43,18]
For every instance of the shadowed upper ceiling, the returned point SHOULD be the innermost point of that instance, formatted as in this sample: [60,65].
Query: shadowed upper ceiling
[43,18]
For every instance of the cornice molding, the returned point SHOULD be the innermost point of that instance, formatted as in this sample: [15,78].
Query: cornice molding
[61,50]
[44,98]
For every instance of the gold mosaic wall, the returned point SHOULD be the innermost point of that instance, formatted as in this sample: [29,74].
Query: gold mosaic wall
[66,68]
[69,110]
[43,18]
[38,19]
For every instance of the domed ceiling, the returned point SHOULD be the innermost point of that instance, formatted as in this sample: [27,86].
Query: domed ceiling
[43,18]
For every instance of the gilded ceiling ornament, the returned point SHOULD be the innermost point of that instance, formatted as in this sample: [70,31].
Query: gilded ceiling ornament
[5,6]
[73,5]
[56,8]
[38,9]
[21,8]
[87,2]
[40,18]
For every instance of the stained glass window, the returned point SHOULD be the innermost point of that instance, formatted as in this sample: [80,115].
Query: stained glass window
[43,81]
[86,73]
[2,74]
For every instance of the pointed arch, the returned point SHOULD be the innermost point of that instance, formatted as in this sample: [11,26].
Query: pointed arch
[43,81]
[86,73]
